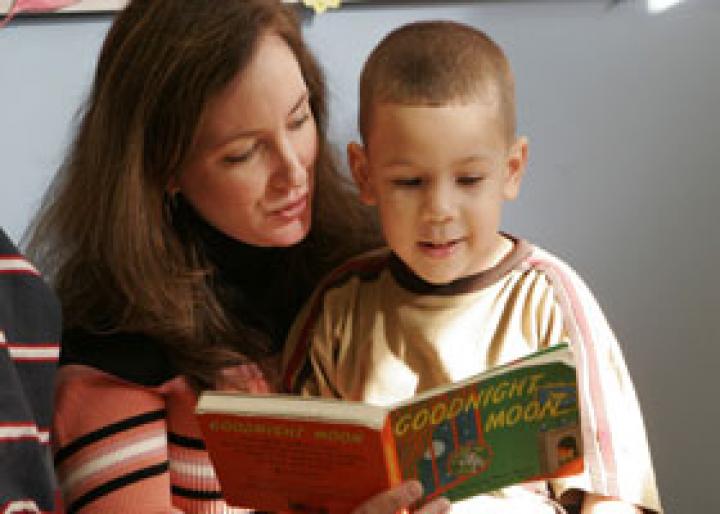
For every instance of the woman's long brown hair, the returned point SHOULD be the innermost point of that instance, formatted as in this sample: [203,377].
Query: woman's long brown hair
[105,235]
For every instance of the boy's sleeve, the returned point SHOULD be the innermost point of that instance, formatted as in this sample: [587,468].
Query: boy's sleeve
[617,456]
[308,355]
[526,498]
[322,333]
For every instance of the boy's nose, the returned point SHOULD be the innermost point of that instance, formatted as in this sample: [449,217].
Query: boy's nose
[438,205]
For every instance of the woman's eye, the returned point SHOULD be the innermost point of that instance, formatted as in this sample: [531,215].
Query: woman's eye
[239,158]
[299,122]
[469,180]
[407,182]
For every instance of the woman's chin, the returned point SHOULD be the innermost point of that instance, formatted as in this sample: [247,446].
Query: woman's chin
[286,236]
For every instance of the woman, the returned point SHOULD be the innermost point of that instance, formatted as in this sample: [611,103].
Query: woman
[194,213]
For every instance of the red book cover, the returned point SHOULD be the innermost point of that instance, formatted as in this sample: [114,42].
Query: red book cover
[277,464]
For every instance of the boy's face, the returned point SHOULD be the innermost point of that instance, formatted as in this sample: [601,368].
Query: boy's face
[439,176]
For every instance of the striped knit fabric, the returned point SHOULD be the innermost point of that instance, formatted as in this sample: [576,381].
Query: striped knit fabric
[375,332]
[29,333]
[123,447]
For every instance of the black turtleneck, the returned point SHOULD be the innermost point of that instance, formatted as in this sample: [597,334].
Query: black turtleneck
[247,279]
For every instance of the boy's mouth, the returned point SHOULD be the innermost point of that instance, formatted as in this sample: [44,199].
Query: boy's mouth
[439,248]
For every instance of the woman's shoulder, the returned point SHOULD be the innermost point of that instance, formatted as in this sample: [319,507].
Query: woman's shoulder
[129,356]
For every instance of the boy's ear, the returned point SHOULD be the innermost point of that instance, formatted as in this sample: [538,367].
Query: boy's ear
[357,159]
[517,161]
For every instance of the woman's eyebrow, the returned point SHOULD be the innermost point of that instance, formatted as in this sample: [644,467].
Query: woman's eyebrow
[249,133]
[301,101]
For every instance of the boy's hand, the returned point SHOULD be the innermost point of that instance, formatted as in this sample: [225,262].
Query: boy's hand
[401,497]
[487,504]
[594,504]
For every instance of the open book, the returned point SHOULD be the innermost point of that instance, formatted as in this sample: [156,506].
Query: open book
[513,423]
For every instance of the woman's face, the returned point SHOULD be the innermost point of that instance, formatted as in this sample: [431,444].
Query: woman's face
[251,170]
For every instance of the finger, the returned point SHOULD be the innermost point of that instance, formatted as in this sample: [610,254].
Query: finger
[244,371]
[262,386]
[393,500]
[257,386]
[437,506]
[231,379]
[255,372]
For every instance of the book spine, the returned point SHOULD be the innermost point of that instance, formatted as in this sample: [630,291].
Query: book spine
[392,462]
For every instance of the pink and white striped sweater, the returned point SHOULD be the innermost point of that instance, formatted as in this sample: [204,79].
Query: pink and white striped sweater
[126,440]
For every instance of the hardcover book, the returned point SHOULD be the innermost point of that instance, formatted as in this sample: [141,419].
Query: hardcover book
[513,423]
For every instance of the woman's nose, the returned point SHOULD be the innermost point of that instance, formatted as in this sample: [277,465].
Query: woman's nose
[290,171]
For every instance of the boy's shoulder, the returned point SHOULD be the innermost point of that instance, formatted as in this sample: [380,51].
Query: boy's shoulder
[568,287]
[364,266]
[365,270]
[554,267]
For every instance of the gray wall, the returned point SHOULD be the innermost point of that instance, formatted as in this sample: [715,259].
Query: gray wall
[622,109]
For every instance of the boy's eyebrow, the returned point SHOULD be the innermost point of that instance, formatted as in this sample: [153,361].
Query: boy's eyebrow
[395,163]
[473,158]
[477,157]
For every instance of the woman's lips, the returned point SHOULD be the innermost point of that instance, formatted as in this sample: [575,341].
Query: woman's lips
[291,210]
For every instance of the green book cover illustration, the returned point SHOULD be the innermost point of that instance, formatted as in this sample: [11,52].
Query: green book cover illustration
[513,426]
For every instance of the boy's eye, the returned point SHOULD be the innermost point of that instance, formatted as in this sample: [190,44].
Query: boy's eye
[469,180]
[407,182]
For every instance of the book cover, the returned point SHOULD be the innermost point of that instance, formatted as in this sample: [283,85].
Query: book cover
[510,424]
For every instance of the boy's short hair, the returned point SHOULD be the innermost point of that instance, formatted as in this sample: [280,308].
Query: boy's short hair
[436,63]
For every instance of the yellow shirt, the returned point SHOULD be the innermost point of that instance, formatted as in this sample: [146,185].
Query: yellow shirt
[375,332]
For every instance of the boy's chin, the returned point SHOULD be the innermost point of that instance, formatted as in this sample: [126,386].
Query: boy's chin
[437,279]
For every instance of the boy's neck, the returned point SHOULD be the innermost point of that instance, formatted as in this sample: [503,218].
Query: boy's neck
[504,245]
[508,252]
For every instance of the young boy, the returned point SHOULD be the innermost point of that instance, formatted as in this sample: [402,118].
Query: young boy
[452,295]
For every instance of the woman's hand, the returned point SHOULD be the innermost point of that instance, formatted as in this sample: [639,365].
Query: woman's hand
[244,378]
[400,498]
